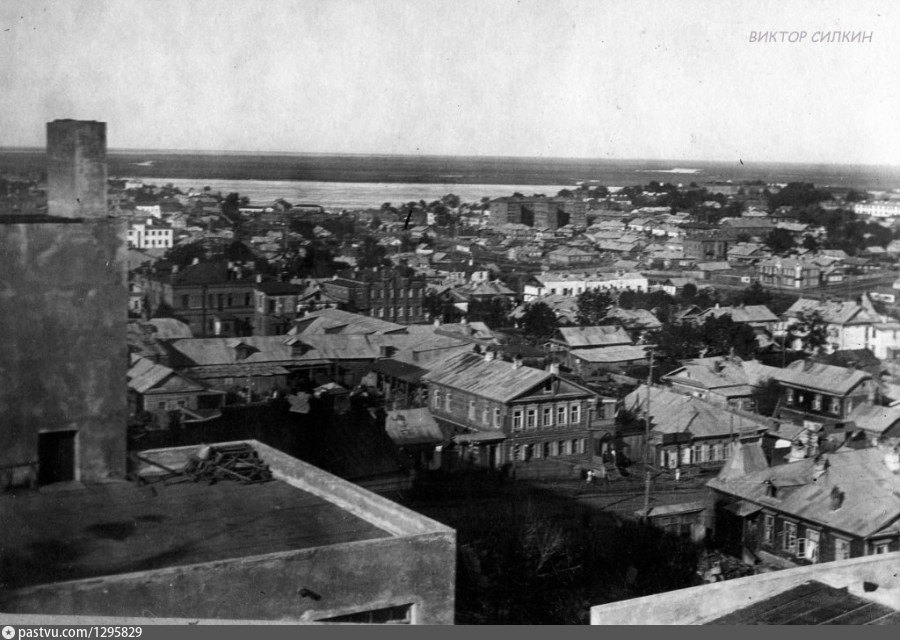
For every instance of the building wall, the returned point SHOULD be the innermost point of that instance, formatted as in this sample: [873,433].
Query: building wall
[63,355]
[76,168]
[414,564]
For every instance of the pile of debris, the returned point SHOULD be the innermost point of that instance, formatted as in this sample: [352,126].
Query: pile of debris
[239,462]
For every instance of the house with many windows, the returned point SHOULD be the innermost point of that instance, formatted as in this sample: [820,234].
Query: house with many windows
[504,412]
[822,393]
[849,324]
[684,431]
[835,506]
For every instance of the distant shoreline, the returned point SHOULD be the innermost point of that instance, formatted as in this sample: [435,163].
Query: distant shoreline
[363,168]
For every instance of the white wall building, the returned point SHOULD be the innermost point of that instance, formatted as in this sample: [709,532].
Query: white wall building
[574,284]
[877,209]
[149,235]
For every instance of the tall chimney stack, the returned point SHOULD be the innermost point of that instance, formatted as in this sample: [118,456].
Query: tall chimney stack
[76,169]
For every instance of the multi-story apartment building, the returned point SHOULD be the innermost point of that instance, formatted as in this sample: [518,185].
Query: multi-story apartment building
[276,306]
[540,212]
[379,294]
[849,325]
[214,298]
[506,412]
[877,209]
[789,273]
[705,246]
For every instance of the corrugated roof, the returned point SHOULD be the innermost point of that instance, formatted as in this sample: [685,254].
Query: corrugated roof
[673,412]
[832,311]
[871,491]
[619,353]
[748,313]
[597,336]
[821,377]
[720,372]
[494,379]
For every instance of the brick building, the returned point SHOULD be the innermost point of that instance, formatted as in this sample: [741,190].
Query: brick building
[379,294]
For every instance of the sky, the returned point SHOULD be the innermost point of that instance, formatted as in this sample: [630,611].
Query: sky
[581,79]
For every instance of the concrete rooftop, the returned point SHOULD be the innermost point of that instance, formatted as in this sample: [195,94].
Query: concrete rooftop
[120,527]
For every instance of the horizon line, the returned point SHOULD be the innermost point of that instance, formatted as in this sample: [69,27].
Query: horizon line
[675,161]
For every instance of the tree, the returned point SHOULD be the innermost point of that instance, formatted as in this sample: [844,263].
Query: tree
[539,323]
[810,329]
[593,305]
[492,311]
[371,254]
[754,294]
[184,254]
[780,241]
[810,243]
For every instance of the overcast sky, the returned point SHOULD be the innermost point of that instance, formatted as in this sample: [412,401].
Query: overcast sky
[598,79]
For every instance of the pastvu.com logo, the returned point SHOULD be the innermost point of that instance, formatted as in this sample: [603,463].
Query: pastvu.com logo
[8,632]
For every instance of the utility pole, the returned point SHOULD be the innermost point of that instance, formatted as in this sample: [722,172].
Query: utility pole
[647,442]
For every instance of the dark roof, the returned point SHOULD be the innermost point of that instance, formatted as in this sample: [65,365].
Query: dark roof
[812,603]
[399,370]
[275,288]
[821,377]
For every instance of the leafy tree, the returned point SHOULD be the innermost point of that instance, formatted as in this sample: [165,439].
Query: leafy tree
[780,241]
[539,323]
[371,254]
[493,311]
[797,194]
[184,254]
[754,294]
[593,305]
[811,330]
[721,335]
[856,196]
[688,292]
[810,243]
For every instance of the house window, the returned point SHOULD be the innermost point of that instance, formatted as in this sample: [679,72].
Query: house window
[547,420]
[247,301]
[185,301]
[817,402]
[486,416]
[716,452]
[564,448]
[161,405]
[841,549]
[575,414]
[789,539]
[471,409]
[497,418]
[574,447]
[789,396]
[768,529]
[531,418]
[447,402]
[517,420]
[879,548]
[835,406]
[686,455]
[696,454]
[538,450]
[554,448]
[561,414]
[811,547]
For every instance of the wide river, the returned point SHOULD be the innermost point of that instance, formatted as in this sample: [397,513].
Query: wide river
[354,195]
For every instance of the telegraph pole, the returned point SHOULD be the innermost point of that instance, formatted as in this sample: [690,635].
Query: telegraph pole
[647,442]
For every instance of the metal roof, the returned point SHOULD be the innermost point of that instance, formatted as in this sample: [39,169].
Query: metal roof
[594,336]
[871,490]
[491,379]
[412,426]
[821,377]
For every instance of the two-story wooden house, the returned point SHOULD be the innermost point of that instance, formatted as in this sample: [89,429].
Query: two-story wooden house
[833,507]
[507,412]
[822,393]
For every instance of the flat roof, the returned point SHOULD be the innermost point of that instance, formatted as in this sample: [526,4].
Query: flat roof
[120,527]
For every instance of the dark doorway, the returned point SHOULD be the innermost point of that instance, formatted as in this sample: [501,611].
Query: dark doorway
[56,456]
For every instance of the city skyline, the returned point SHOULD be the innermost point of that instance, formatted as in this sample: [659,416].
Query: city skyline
[600,80]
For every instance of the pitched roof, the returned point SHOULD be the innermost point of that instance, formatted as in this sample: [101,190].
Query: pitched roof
[594,336]
[491,379]
[821,377]
[719,372]
[832,311]
[871,491]
[746,457]
[743,313]
[634,318]
[337,321]
[412,426]
[145,376]
[875,419]
[673,412]
[618,353]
